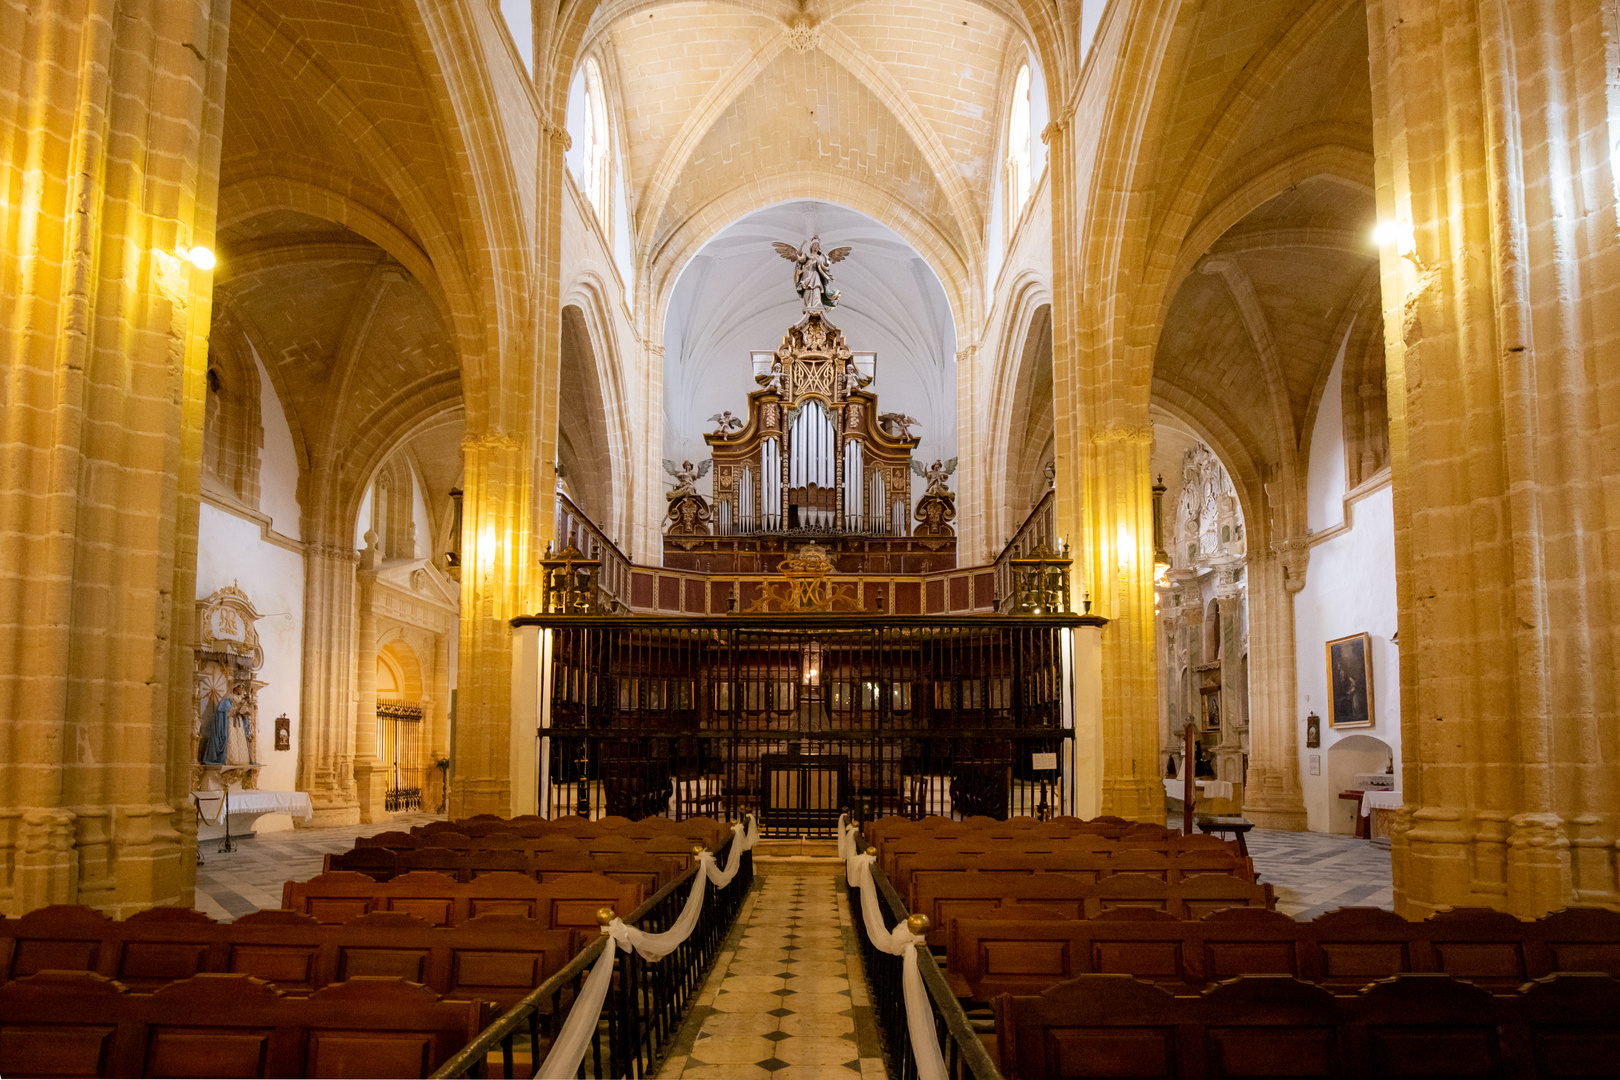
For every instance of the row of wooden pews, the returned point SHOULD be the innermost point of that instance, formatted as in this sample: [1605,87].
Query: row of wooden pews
[495,958]
[63,1023]
[1062,869]
[1103,948]
[1343,949]
[387,972]
[1273,1025]
[709,831]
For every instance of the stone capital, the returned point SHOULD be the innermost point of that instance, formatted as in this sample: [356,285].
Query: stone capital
[1295,556]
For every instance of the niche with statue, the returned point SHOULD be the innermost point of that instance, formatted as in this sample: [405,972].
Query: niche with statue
[225,724]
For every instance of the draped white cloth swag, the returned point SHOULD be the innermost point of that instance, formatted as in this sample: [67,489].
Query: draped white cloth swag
[575,1037]
[846,839]
[903,943]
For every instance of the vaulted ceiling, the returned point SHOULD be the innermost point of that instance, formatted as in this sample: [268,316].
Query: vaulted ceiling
[897,103]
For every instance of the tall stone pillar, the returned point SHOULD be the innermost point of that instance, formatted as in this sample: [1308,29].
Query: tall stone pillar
[1104,506]
[111,117]
[370,775]
[1118,538]
[1494,136]
[1272,795]
[326,739]
[495,556]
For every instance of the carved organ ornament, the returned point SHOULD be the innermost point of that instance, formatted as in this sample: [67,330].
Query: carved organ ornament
[814,455]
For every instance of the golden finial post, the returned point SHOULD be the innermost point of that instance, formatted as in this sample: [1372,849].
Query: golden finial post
[605,915]
[918,925]
[872,851]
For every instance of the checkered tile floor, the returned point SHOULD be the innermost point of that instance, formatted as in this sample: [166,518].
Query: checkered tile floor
[787,998]
[232,884]
[1314,872]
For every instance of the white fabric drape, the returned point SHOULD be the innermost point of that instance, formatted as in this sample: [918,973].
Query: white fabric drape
[575,1037]
[846,838]
[903,943]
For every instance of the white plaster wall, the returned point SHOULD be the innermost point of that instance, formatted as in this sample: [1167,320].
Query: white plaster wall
[232,549]
[1324,481]
[419,517]
[278,461]
[362,521]
[519,16]
[1349,589]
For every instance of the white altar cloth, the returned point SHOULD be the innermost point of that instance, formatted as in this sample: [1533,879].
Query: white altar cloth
[246,806]
[1380,800]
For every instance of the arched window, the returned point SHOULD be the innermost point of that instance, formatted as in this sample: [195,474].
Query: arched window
[1018,150]
[596,162]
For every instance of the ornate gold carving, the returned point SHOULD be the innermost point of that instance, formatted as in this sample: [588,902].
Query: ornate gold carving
[804,587]
[1041,581]
[570,584]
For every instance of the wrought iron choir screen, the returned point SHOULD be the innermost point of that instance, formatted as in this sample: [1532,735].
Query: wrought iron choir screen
[799,718]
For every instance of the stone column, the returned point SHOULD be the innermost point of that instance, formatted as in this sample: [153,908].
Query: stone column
[1494,134]
[495,557]
[1272,795]
[371,775]
[1116,486]
[111,117]
[1104,507]
[1234,720]
[326,738]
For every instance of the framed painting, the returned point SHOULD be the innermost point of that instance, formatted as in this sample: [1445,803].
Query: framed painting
[1212,707]
[1350,682]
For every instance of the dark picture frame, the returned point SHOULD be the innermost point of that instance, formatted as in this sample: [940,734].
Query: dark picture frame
[1211,708]
[1350,682]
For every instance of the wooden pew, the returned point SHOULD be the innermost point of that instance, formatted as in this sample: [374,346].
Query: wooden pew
[60,1023]
[1091,865]
[945,895]
[989,957]
[492,957]
[569,901]
[1271,1025]
[649,872]
[1342,950]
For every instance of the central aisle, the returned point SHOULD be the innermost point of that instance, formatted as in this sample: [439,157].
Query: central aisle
[787,997]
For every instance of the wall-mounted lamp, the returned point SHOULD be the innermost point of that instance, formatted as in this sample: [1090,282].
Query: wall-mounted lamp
[200,257]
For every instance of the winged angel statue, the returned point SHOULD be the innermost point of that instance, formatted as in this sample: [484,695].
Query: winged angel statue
[936,475]
[686,476]
[812,272]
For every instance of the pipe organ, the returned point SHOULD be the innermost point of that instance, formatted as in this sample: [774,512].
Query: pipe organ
[812,459]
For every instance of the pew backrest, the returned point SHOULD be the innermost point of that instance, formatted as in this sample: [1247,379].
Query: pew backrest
[77,1023]
[571,900]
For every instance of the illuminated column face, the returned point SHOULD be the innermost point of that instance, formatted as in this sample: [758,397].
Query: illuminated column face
[1502,353]
[112,143]
[497,550]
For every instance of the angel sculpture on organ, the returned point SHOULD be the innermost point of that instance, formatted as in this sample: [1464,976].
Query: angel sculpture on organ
[936,475]
[898,425]
[726,423]
[812,272]
[686,476]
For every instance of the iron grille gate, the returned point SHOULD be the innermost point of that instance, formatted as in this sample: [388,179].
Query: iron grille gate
[800,717]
